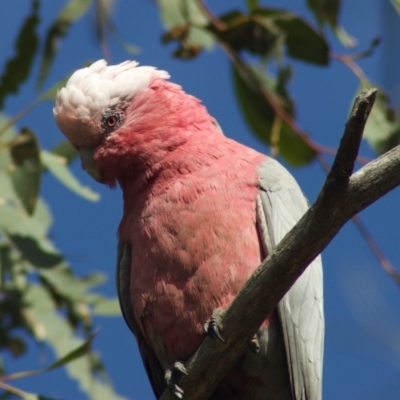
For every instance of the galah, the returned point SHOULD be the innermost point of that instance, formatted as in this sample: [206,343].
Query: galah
[200,213]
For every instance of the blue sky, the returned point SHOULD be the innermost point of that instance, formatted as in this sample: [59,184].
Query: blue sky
[362,350]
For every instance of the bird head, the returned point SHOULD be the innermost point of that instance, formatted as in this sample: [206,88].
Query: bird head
[95,107]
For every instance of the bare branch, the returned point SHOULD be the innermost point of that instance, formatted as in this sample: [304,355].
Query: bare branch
[342,197]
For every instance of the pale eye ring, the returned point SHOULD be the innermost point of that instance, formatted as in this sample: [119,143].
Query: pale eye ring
[112,120]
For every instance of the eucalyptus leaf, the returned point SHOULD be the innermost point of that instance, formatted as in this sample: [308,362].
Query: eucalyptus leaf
[82,350]
[26,169]
[71,12]
[107,308]
[302,41]
[64,283]
[382,130]
[33,251]
[187,24]
[396,5]
[18,68]
[62,339]
[58,167]
[251,33]
[261,117]
[7,132]
[65,150]
[327,12]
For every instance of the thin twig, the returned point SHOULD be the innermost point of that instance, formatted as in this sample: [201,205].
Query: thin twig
[350,63]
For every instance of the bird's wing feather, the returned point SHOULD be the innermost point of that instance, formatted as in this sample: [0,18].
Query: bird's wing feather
[279,206]
[151,364]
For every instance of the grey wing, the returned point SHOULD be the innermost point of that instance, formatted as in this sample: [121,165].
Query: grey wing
[153,368]
[280,205]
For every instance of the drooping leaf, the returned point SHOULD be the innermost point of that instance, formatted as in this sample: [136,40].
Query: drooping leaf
[184,22]
[250,32]
[64,282]
[33,252]
[26,168]
[65,150]
[7,134]
[82,350]
[261,117]
[58,167]
[382,130]
[302,41]
[72,11]
[396,5]
[60,335]
[28,234]
[105,307]
[251,4]
[327,12]
[18,68]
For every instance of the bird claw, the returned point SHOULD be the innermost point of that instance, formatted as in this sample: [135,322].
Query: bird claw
[254,344]
[214,325]
[172,376]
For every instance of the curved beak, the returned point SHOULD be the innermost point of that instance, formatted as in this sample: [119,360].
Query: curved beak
[88,164]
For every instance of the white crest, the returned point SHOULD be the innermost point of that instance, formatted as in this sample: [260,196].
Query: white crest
[90,91]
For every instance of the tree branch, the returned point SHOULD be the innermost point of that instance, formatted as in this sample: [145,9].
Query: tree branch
[342,196]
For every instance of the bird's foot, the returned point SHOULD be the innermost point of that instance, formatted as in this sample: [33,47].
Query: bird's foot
[214,325]
[172,376]
[254,344]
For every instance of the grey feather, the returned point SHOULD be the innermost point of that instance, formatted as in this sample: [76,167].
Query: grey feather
[280,205]
[153,367]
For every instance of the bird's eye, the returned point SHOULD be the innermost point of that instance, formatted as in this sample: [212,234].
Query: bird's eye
[111,121]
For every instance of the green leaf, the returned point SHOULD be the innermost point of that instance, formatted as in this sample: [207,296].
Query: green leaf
[28,234]
[64,282]
[327,12]
[251,33]
[261,117]
[65,150]
[34,253]
[82,350]
[251,4]
[302,41]
[26,169]
[18,68]
[72,11]
[107,307]
[396,5]
[7,135]
[58,167]
[187,24]
[382,130]
[59,334]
